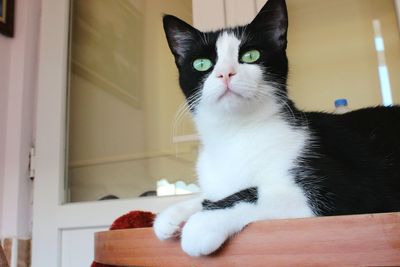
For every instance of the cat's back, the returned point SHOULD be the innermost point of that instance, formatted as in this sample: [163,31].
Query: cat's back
[358,156]
[369,125]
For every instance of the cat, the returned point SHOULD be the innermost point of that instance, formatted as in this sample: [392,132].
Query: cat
[261,157]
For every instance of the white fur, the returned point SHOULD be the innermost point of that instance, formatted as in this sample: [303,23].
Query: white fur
[169,222]
[246,143]
[247,82]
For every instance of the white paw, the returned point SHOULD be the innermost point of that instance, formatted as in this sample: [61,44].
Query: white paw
[202,235]
[168,224]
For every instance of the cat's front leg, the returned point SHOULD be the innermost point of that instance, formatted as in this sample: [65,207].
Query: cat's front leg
[206,231]
[169,222]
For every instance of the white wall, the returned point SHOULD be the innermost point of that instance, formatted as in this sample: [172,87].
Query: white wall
[344,63]
[18,74]
[4,70]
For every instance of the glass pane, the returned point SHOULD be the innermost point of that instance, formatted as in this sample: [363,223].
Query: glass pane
[343,49]
[123,101]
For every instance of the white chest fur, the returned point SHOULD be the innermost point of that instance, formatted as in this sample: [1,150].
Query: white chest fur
[236,156]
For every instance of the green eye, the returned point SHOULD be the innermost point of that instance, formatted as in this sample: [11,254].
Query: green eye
[202,64]
[250,56]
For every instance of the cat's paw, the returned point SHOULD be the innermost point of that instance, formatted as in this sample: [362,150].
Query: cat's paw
[168,224]
[202,235]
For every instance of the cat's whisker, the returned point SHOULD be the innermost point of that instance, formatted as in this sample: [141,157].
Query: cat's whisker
[281,99]
[177,118]
[183,109]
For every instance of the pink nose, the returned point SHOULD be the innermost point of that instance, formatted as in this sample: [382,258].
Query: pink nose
[226,76]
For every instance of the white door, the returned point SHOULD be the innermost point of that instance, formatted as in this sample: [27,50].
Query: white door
[63,232]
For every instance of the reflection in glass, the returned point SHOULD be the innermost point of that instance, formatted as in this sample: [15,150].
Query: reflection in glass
[123,97]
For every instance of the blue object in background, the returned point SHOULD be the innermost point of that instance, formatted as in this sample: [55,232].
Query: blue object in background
[341,102]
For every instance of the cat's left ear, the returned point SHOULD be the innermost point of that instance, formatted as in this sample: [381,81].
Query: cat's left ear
[273,19]
[179,35]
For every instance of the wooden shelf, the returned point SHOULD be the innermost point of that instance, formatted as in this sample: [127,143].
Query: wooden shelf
[358,240]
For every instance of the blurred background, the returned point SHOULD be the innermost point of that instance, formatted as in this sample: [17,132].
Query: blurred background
[127,136]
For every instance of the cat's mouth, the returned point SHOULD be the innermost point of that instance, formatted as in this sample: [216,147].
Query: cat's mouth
[227,93]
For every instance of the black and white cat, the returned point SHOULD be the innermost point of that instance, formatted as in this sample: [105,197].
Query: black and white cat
[261,157]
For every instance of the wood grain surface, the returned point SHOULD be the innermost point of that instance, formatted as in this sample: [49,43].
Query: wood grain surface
[3,259]
[357,240]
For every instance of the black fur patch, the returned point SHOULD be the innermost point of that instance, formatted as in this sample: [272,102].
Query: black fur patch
[353,164]
[249,195]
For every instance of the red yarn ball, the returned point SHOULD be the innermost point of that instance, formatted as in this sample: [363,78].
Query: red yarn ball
[133,219]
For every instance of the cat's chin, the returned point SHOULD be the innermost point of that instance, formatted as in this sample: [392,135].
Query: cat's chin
[231,105]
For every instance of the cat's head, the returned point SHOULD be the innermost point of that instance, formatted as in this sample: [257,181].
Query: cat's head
[236,70]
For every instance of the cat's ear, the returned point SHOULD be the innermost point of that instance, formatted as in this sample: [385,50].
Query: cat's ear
[273,19]
[179,35]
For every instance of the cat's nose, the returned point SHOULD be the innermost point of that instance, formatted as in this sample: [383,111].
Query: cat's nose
[226,76]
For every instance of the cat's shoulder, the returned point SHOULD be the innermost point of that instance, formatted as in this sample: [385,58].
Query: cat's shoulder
[382,121]
[367,115]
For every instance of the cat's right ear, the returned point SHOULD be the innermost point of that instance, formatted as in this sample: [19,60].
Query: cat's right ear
[179,35]
[273,20]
